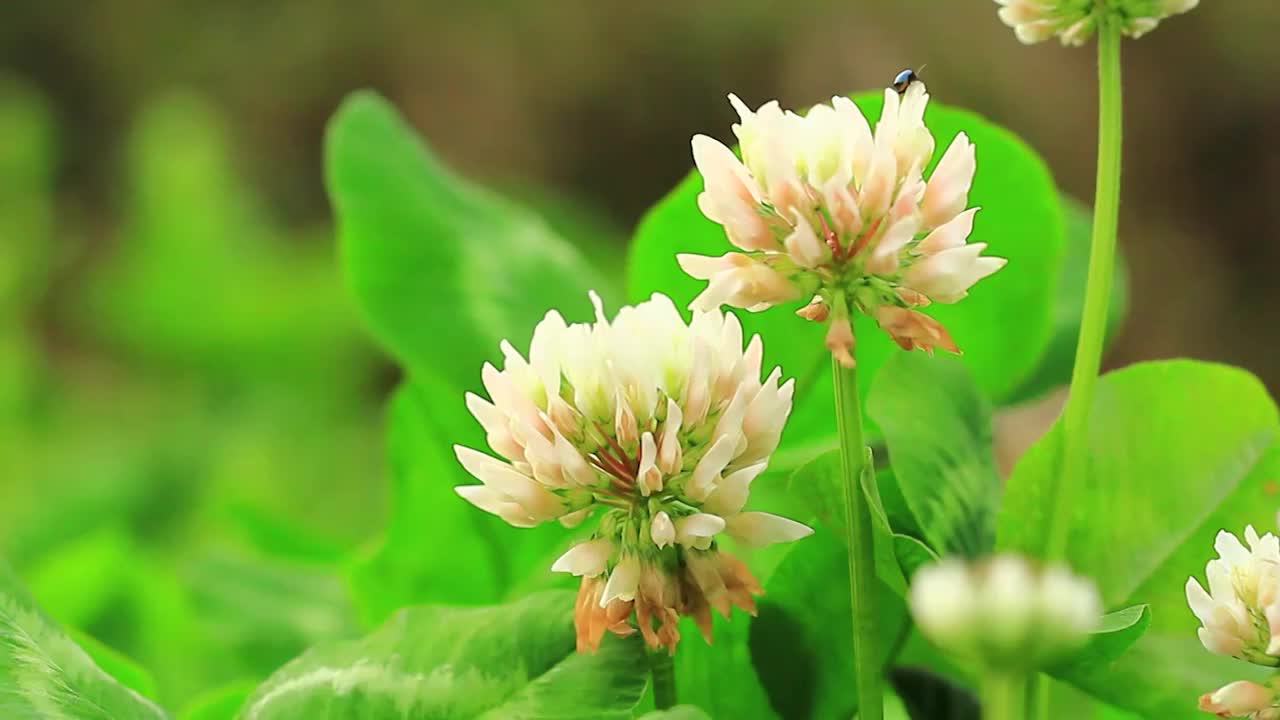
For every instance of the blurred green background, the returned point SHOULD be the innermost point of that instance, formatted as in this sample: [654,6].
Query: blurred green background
[191,419]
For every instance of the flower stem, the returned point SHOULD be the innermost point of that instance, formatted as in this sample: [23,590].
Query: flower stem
[1003,696]
[1093,323]
[662,668]
[862,569]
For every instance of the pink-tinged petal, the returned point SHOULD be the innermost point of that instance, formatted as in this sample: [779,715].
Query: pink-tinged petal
[1241,699]
[951,234]
[948,189]
[876,192]
[1220,643]
[804,246]
[586,559]
[913,330]
[886,254]
[670,454]
[492,501]
[839,340]
[860,134]
[947,276]
[756,529]
[537,501]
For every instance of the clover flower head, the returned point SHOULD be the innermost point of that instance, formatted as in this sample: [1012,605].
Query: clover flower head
[1240,613]
[1243,699]
[1073,22]
[655,426]
[821,206]
[1002,612]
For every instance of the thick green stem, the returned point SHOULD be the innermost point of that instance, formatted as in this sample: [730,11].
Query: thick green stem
[1093,323]
[862,568]
[662,667]
[1004,696]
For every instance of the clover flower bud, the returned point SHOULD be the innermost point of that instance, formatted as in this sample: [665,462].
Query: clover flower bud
[1003,613]
[1243,699]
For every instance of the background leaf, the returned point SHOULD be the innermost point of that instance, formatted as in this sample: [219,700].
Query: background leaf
[43,674]
[679,712]
[501,662]
[1168,469]
[442,269]
[720,678]
[801,642]
[438,548]
[939,442]
[1003,326]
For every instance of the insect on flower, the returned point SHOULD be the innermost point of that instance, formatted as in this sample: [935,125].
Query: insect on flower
[904,79]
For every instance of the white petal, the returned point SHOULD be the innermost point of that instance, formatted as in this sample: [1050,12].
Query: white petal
[951,234]
[690,529]
[537,501]
[492,501]
[623,581]
[756,529]
[661,530]
[586,558]
[731,492]
[948,189]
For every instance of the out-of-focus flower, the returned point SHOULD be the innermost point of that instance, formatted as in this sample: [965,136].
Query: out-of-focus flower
[1075,21]
[1003,613]
[659,427]
[822,207]
[1243,699]
[1240,613]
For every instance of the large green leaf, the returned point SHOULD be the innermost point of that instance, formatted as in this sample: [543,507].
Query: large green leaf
[1177,451]
[720,678]
[43,674]
[506,662]
[442,269]
[1054,368]
[939,444]
[801,643]
[438,548]
[679,712]
[1003,325]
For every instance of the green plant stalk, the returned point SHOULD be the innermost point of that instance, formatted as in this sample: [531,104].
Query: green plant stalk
[1003,696]
[862,568]
[1093,323]
[662,668]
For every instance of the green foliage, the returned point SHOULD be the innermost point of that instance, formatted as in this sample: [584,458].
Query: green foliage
[939,444]
[219,704]
[703,672]
[43,674]
[1168,469]
[1003,326]
[1055,365]
[461,555]
[679,712]
[502,662]
[801,642]
[442,269]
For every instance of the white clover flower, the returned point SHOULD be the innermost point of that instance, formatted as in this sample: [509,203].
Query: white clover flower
[823,207]
[1240,613]
[1003,613]
[1075,21]
[661,426]
[1243,699]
